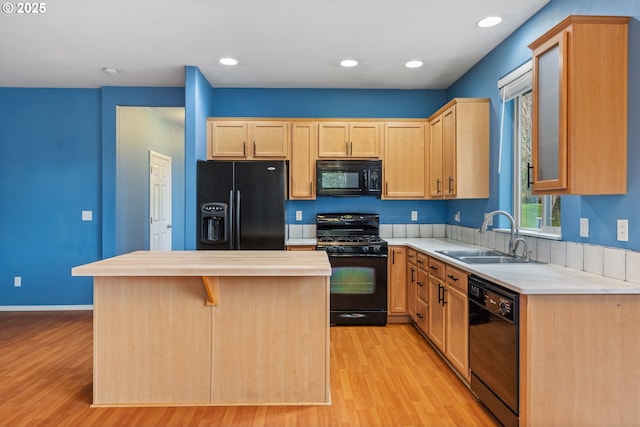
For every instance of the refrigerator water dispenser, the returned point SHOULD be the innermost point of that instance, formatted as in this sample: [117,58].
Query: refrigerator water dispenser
[214,222]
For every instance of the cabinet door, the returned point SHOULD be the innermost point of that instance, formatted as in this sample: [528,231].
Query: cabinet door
[397,281]
[227,139]
[435,157]
[302,171]
[436,313]
[404,161]
[333,139]
[269,139]
[457,333]
[449,152]
[364,140]
[549,116]
[412,294]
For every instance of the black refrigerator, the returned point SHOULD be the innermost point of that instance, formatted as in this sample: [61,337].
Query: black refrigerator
[241,204]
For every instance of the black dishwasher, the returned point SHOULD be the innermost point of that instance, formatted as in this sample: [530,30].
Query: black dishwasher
[494,348]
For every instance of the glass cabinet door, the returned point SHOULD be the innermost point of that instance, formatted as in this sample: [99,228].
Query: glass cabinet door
[549,115]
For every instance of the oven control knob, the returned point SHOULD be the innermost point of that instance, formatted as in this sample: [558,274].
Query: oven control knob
[366,249]
[340,249]
[330,249]
[376,249]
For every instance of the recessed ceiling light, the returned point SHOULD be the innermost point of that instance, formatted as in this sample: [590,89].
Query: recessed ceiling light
[111,71]
[349,63]
[228,61]
[413,64]
[489,21]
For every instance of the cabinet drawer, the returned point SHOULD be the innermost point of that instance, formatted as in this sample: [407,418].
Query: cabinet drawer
[412,256]
[457,278]
[422,315]
[436,268]
[423,260]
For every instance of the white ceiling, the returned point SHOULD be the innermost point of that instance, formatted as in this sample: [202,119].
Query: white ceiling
[278,43]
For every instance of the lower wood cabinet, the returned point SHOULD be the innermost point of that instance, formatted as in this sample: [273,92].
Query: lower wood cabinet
[396,281]
[448,314]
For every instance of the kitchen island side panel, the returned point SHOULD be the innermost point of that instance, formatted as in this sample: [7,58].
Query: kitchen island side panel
[152,341]
[271,341]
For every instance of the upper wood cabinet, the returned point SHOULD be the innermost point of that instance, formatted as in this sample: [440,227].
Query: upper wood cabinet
[459,150]
[302,170]
[349,139]
[247,139]
[404,160]
[579,117]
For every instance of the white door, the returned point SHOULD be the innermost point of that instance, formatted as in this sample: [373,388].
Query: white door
[159,202]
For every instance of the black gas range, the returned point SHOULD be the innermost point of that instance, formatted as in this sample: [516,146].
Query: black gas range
[358,258]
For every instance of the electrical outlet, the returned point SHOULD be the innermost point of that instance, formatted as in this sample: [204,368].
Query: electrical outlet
[17,281]
[298,215]
[87,215]
[456,217]
[584,227]
[414,215]
[623,230]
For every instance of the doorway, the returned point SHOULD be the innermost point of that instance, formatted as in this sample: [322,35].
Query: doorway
[142,131]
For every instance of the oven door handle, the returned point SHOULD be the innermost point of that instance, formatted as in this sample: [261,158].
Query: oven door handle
[357,255]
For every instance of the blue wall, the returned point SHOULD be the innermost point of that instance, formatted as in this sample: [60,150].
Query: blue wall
[481,81]
[50,158]
[58,158]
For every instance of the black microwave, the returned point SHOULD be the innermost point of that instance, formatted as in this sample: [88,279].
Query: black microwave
[349,177]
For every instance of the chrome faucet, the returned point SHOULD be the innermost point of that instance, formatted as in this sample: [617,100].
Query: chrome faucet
[525,253]
[515,233]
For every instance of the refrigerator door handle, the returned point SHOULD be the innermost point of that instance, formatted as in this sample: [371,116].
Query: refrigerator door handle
[237,220]
[229,220]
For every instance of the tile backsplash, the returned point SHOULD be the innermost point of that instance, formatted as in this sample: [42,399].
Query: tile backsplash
[615,263]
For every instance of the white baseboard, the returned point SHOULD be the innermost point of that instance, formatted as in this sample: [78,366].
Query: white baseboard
[45,307]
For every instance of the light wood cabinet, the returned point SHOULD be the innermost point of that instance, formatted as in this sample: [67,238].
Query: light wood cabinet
[404,160]
[349,139]
[231,139]
[579,116]
[302,169]
[448,314]
[457,320]
[422,293]
[411,286]
[397,279]
[459,150]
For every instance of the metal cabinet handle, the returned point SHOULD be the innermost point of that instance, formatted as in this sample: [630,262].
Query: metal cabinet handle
[529,173]
[420,284]
[450,185]
[254,148]
[438,183]
[420,315]
[454,278]
[433,267]
[244,148]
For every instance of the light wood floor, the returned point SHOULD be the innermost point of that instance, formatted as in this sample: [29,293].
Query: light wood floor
[380,376]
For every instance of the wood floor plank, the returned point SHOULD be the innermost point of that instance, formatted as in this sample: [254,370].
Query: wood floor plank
[380,376]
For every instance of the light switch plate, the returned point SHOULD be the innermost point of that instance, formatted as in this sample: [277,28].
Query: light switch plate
[414,215]
[584,227]
[623,230]
[456,217]
[298,215]
[87,215]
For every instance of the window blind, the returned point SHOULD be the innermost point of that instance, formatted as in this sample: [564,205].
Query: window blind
[516,82]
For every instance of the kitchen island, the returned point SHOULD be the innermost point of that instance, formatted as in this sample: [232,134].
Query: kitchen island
[210,328]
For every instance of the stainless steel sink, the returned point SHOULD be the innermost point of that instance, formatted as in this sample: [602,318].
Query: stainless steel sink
[484,257]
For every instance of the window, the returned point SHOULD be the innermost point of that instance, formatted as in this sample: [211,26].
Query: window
[532,213]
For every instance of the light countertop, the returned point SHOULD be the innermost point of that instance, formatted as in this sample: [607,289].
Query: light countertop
[529,278]
[210,263]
